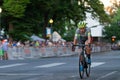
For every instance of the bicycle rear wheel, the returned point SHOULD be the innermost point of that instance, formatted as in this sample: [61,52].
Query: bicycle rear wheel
[81,67]
[87,69]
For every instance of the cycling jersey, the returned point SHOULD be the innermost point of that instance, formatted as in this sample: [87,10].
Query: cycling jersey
[82,37]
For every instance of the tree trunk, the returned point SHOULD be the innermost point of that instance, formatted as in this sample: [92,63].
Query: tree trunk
[10,27]
[45,24]
[9,30]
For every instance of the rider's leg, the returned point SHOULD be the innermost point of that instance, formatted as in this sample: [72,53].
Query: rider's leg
[88,51]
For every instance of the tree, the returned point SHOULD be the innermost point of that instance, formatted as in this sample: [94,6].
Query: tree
[13,9]
[114,28]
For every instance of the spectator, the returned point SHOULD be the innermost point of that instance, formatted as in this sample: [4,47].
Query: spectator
[5,48]
[1,50]
[37,44]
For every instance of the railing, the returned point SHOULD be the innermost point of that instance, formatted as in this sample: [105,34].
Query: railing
[36,52]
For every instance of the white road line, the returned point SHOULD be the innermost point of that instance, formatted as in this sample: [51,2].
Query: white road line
[12,65]
[19,74]
[49,65]
[111,73]
[94,64]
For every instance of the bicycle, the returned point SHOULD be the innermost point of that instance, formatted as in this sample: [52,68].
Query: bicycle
[84,66]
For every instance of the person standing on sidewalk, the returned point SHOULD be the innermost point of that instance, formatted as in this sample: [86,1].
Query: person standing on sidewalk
[5,49]
[1,50]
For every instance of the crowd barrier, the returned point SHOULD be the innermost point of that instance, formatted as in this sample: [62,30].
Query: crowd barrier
[36,52]
[101,48]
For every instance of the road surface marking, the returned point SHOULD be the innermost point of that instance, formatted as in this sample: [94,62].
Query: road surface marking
[111,73]
[12,65]
[19,74]
[49,65]
[94,64]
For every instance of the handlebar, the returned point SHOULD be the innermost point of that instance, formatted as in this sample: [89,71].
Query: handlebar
[81,45]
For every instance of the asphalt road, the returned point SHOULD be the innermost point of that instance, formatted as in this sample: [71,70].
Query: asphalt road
[105,66]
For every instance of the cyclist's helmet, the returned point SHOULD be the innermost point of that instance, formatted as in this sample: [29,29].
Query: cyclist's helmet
[81,24]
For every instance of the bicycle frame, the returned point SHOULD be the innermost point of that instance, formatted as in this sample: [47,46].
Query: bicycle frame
[83,62]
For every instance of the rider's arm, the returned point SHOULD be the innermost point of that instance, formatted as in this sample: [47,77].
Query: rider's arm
[74,41]
[75,37]
[89,38]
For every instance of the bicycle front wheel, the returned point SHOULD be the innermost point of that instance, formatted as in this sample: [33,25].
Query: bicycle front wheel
[81,67]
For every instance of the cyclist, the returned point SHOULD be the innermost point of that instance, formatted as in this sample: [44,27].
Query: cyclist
[83,36]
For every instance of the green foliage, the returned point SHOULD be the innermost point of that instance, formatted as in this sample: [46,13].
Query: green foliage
[98,11]
[114,28]
[16,8]
[116,16]
[69,35]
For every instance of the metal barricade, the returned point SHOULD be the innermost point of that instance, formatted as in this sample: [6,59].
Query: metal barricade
[38,52]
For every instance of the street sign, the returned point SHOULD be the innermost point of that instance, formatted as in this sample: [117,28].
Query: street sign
[48,32]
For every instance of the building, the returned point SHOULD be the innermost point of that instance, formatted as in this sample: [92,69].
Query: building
[95,27]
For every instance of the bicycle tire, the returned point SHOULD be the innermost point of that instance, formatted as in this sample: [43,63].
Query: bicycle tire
[87,69]
[81,72]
